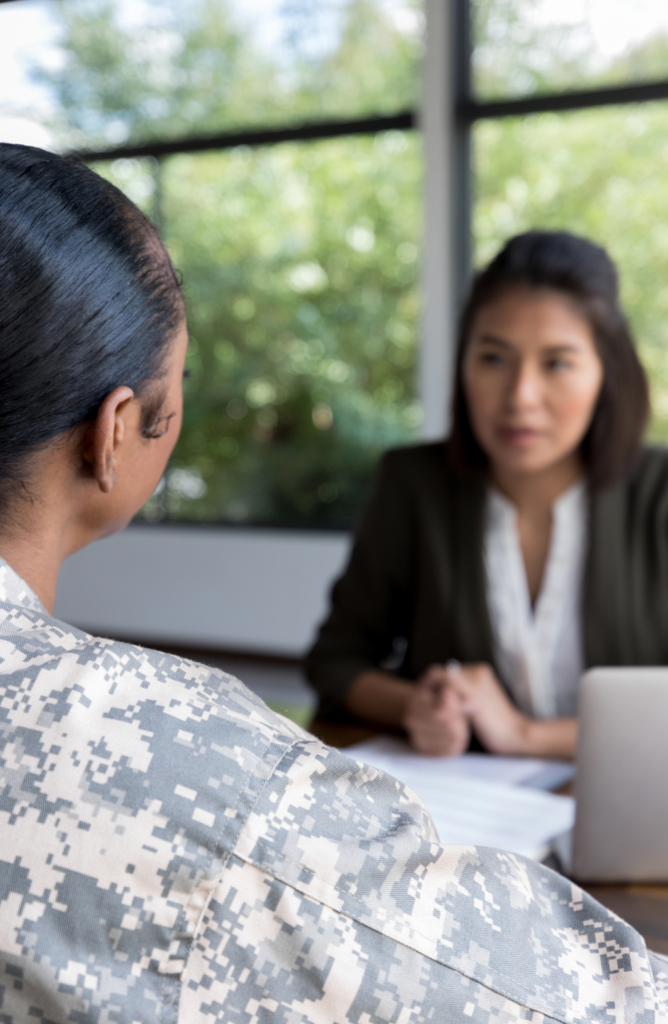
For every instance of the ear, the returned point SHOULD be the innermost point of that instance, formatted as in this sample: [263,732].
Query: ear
[103,438]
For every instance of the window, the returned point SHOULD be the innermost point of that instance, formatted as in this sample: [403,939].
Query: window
[568,113]
[272,144]
[528,47]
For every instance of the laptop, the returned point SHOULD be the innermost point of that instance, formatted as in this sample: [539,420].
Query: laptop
[621,786]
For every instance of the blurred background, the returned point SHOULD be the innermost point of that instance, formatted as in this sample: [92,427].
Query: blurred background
[325,176]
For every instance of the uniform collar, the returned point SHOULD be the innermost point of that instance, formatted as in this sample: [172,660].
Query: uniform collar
[14,590]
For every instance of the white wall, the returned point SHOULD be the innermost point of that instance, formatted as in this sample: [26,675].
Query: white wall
[236,589]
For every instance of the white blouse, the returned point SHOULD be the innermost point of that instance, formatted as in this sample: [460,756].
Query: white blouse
[538,649]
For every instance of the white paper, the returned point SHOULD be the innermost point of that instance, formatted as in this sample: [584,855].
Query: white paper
[517,771]
[476,799]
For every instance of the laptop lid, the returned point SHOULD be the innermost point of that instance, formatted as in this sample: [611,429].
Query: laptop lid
[621,787]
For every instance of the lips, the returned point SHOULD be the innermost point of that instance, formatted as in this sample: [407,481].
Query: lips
[519,437]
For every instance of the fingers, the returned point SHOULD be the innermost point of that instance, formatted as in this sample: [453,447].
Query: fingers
[450,699]
[435,702]
[484,702]
[452,702]
[425,714]
[431,690]
[433,679]
[473,684]
[443,742]
[447,701]
[440,739]
[434,720]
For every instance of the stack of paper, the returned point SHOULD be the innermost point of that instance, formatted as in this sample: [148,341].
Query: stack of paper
[478,799]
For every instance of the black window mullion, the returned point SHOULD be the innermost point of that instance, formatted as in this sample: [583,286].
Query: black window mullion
[310,131]
[471,110]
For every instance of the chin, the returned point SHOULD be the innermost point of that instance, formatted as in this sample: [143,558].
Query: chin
[523,463]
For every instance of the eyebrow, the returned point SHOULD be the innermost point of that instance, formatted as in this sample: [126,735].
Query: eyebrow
[491,339]
[561,346]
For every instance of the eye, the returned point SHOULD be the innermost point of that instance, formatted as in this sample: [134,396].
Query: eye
[557,364]
[158,428]
[491,358]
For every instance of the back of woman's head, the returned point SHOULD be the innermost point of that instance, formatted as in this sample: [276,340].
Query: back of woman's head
[89,301]
[583,273]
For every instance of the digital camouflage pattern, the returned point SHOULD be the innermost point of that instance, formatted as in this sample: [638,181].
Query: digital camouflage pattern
[171,850]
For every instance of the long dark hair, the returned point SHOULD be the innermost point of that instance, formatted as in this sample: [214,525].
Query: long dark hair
[89,301]
[585,273]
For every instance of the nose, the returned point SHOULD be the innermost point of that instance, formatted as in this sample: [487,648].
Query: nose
[525,386]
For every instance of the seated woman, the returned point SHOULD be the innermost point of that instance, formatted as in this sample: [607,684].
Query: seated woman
[170,849]
[531,545]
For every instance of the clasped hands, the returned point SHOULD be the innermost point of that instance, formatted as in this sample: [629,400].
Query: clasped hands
[451,700]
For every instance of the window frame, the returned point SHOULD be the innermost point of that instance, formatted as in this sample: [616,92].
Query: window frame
[467,111]
[445,116]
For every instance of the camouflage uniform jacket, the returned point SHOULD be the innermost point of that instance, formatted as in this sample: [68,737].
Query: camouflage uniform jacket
[171,850]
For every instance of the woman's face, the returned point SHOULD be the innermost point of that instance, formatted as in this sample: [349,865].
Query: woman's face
[531,376]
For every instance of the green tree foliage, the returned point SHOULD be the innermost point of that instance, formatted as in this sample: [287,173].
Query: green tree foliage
[303,310]
[177,69]
[299,261]
[530,46]
[645,62]
[189,67]
[514,52]
[371,70]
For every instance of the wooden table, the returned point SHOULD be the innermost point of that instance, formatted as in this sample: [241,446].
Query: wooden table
[643,906]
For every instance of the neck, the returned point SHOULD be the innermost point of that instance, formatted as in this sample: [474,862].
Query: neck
[538,490]
[37,557]
[42,526]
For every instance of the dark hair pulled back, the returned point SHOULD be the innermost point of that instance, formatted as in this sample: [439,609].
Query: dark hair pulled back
[584,273]
[89,301]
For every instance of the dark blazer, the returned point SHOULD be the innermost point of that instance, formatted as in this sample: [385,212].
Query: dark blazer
[416,572]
